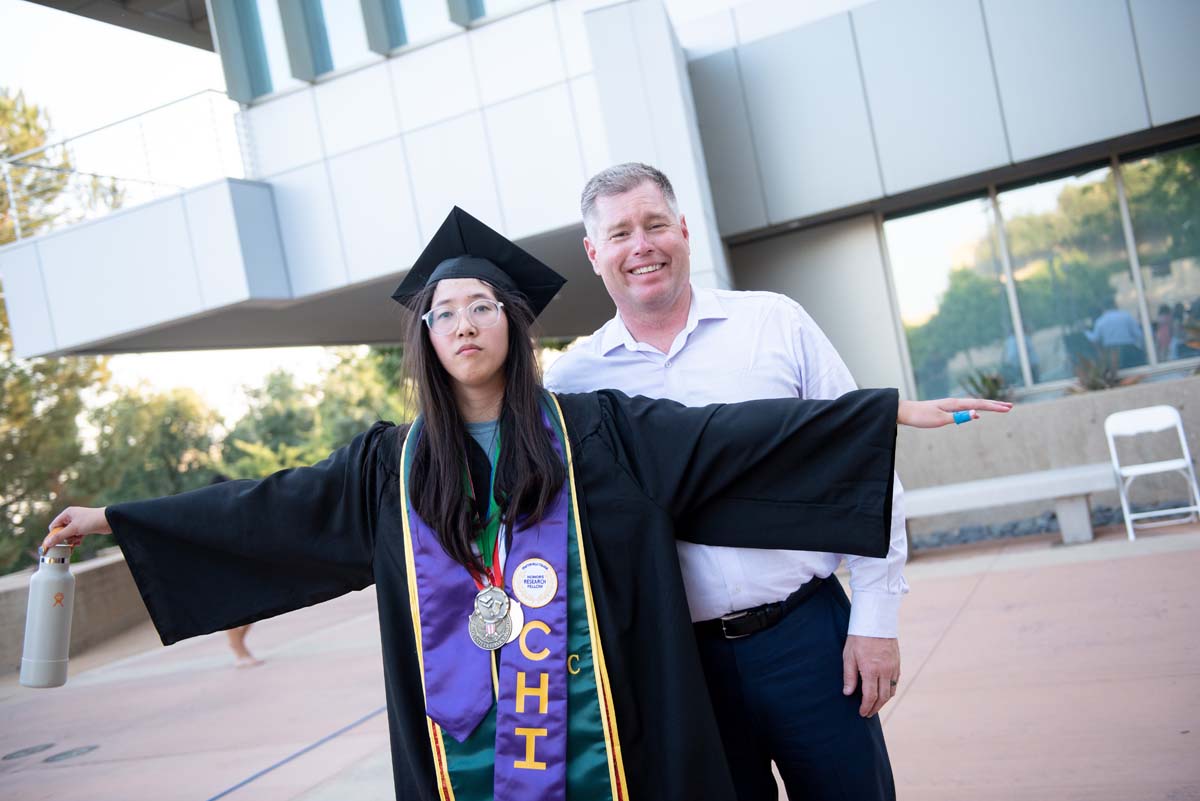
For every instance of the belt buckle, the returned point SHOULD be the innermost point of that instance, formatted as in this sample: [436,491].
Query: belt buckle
[730,618]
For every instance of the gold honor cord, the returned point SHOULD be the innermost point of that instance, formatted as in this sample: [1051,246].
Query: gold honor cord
[445,790]
[616,764]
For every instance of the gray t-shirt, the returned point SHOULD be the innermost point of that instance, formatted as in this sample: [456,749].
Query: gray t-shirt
[485,435]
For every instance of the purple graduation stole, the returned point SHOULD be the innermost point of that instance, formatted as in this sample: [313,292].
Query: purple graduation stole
[529,689]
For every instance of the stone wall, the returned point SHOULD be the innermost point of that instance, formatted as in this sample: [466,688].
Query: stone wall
[107,602]
[1042,436]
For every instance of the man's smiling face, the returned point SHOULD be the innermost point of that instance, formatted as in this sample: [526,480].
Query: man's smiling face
[639,247]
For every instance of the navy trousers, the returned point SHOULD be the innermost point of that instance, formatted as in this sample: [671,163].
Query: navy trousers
[778,697]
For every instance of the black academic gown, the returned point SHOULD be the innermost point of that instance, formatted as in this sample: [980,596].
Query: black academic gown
[806,475]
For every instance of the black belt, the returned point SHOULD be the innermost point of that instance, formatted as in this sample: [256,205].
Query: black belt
[751,621]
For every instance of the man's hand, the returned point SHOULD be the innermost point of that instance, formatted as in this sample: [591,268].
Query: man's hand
[878,660]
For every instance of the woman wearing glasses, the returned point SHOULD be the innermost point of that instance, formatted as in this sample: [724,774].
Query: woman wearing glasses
[536,637]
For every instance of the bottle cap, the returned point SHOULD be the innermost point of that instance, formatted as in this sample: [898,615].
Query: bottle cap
[58,555]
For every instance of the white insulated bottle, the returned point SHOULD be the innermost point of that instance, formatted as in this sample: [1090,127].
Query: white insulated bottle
[48,620]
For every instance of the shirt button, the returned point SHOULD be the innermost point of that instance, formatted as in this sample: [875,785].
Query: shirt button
[668,362]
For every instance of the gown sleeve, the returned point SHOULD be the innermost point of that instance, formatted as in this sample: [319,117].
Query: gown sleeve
[240,551]
[782,473]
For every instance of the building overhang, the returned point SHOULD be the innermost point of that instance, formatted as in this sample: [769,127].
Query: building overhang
[183,21]
[206,269]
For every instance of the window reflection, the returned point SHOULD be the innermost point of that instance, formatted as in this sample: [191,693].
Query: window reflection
[953,304]
[1164,201]
[1074,284]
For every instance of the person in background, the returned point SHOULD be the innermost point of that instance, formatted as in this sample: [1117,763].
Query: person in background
[242,658]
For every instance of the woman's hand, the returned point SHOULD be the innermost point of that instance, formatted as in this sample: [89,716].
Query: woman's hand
[73,524]
[938,413]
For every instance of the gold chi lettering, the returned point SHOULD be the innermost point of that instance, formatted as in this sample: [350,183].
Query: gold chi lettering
[530,735]
[533,656]
[542,692]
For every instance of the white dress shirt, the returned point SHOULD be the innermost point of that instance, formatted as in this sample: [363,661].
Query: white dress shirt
[741,346]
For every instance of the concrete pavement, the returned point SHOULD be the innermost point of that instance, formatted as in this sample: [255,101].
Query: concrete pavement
[1030,671]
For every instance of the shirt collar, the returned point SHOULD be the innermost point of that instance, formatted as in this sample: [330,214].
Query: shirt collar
[705,305]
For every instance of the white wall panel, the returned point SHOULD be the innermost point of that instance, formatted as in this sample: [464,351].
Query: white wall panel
[235,239]
[1067,72]
[517,55]
[308,227]
[931,90]
[356,109]
[1168,38]
[261,245]
[708,34]
[216,245]
[809,120]
[728,148]
[539,172]
[375,210]
[590,122]
[283,134]
[624,99]
[451,166]
[120,273]
[759,19]
[836,273]
[434,83]
[25,300]
[649,114]
[573,33]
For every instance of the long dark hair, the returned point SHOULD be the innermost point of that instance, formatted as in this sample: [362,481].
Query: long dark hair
[528,472]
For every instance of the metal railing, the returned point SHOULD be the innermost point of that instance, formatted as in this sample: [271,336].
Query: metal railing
[150,155]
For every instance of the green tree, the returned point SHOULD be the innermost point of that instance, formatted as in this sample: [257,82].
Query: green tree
[40,402]
[278,430]
[40,399]
[289,425]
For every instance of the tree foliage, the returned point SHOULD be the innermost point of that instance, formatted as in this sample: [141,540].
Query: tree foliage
[41,400]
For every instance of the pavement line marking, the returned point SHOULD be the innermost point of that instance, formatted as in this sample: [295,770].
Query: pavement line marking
[299,753]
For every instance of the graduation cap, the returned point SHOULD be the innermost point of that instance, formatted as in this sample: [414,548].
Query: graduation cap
[466,248]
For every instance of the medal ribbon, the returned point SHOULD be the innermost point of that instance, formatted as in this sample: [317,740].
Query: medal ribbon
[489,535]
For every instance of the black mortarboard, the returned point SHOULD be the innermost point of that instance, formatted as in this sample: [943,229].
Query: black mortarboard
[466,248]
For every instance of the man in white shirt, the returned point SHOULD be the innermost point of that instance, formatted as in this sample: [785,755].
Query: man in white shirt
[796,674]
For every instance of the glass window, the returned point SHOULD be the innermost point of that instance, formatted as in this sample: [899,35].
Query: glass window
[1074,283]
[953,303]
[1164,201]
[489,8]
[276,47]
[347,34]
[426,19]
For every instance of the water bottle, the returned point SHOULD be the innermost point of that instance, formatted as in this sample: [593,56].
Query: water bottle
[48,620]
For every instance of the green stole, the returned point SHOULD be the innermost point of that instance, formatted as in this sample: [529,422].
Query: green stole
[595,769]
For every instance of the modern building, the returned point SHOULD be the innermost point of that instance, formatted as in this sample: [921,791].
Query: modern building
[956,190]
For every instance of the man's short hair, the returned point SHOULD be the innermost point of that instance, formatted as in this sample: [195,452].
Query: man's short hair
[619,179]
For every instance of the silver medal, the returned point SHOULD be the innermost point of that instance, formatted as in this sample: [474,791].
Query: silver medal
[490,625]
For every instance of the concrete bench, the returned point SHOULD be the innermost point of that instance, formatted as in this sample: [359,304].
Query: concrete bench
[1068,487]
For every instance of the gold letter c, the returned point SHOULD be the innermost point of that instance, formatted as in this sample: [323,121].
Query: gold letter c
[532,656]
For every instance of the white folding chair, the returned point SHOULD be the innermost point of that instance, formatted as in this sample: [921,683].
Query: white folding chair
[1147,420]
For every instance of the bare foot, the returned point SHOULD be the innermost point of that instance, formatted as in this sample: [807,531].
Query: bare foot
[247,661]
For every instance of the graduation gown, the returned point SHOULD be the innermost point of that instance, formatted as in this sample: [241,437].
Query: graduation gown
[785,473]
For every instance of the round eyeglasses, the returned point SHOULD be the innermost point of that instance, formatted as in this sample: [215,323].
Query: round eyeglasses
[482,313]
